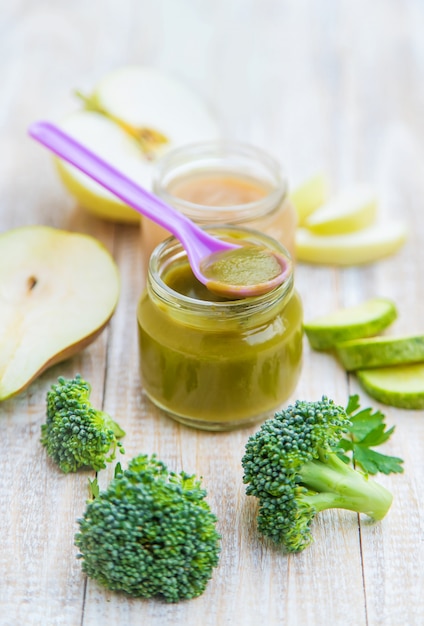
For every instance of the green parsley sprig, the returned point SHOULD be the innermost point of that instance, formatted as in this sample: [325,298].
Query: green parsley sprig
[368,430]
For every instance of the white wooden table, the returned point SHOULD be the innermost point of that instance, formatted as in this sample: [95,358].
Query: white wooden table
[332,86]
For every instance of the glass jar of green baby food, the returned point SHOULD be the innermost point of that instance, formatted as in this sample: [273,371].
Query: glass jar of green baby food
[214,363]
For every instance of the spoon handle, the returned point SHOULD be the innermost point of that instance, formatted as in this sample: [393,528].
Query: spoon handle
[69,149]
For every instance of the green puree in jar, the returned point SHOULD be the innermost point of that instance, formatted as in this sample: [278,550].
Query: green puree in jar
[214,363]
[181,279]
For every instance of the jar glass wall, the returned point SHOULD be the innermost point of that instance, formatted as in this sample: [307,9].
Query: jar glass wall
[213,363]
[223,182]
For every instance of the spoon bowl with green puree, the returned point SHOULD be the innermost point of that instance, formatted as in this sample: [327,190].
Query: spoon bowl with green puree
[224,267]
[243,269]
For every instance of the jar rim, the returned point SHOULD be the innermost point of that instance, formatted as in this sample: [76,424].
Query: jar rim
[228,308]
[186,155]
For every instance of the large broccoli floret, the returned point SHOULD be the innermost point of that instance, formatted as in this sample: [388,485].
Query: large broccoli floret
[292,466]
[151,533]
[75,434]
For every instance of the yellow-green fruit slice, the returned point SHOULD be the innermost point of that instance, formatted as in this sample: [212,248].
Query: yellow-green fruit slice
[310,195]
[121,150]
[351,210]
[399,385]
[363,246]
[380,352]
[135,115]
[363,320]
[146,98]
[58,290]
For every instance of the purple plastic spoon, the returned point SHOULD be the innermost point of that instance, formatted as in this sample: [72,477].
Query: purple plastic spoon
[201,247]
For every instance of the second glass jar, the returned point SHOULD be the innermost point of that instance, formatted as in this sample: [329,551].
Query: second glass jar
[223,182]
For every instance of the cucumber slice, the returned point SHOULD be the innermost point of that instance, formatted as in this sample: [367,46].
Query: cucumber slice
[380,352]
[363,320]
[399,385]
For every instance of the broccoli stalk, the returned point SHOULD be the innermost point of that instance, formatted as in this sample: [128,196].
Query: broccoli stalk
[151,533]
[337,485]
[75,433]
[291,464]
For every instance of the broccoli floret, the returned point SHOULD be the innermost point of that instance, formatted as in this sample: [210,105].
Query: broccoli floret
[75,434]
[151,533]
[291,465]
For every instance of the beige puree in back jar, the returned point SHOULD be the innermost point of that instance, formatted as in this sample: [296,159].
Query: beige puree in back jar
[223,183]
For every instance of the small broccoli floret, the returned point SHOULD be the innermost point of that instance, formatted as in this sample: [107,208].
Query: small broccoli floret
[151,533]
[292,466]
[75,434]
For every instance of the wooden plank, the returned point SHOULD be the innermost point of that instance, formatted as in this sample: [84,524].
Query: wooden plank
[393,550]
[393,577]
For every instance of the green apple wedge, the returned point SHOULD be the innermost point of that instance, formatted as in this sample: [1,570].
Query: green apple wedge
[144,98]
[103,136]
[309,195]
[351,210]
[380,352]
[400,386]
[58,290]
[134,115]
[362,320]
[367,245]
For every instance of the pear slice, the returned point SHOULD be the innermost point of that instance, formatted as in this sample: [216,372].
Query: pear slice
[351,210]
[309,196]
[363,246]
[398,385]
[58,290]
[380,352]
[134,116]
[362,320]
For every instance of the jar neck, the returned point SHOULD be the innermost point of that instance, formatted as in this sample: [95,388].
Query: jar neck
[227,158]
[209,314]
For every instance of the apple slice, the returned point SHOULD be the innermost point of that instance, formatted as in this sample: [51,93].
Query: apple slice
[351,210]
[145,99]
[58,290]
[106,138]
[363,246]
[134,116]
[309,196]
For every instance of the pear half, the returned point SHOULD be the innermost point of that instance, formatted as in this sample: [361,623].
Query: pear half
[134,115]
[58,290]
